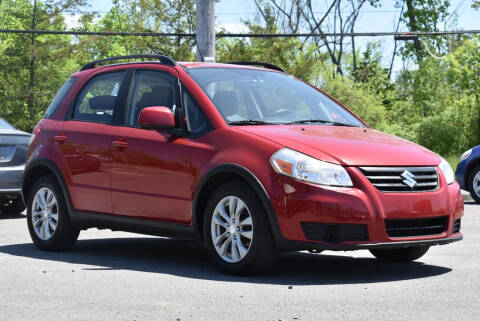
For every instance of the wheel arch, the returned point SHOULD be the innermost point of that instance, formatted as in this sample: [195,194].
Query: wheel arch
[224,173]
[39,168]
[468,168]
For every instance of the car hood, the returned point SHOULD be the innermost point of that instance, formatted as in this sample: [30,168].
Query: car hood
[351,146]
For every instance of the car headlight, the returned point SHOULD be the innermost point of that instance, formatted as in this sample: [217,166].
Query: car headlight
[466,155]
[447,171]
[305,168]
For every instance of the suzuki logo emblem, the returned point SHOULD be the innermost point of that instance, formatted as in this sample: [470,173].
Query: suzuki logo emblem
[409,179]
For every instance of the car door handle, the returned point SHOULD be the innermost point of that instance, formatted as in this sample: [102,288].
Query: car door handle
[62,138]
[120,143]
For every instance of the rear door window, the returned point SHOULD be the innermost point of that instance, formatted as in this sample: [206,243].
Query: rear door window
[96,102]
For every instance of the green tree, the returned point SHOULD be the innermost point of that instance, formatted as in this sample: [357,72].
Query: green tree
[361,98]
[26,60]
[464,78]
[437,105]
[423,15]
[298,59]
[141,16]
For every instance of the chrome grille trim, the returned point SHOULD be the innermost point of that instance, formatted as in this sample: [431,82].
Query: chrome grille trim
[390,179]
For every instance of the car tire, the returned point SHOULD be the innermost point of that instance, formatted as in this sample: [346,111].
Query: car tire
[243,241]
[15,206]
[400,255]
[473,181]
[49,224]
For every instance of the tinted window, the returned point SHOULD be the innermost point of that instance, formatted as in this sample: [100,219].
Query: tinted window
[59,96]
[150,88]
[4,124]
[251,94]
[195,119]
[96,101]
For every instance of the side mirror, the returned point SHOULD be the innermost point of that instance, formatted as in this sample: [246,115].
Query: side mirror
[157,117]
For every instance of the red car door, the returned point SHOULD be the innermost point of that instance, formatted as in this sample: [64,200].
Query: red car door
[85,143]
[150,169]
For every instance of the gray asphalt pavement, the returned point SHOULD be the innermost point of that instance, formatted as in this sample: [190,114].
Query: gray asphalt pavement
[122,276]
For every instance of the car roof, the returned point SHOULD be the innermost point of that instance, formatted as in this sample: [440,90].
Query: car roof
[183,64]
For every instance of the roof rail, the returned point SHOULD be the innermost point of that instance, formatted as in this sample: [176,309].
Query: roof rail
[165,60]
[262,64]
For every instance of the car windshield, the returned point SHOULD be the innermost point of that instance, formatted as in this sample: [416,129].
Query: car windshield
[259,97]
[5,125]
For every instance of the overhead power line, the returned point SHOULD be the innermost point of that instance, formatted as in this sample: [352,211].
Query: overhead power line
[238,13]
[347,34]
[240,35]
[314,12]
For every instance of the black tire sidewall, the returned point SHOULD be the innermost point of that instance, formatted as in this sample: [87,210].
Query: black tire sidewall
[65,234]
[18,206]
[261,253]
[471,175]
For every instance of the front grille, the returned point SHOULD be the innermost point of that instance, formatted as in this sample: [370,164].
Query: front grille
[335,233]
[456,226]
[402,179]
[416,227]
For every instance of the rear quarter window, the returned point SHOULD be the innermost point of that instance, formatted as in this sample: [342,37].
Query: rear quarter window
[64,90]
[96,102]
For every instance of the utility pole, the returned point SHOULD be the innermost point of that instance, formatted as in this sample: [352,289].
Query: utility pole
[205,30]
[31,85]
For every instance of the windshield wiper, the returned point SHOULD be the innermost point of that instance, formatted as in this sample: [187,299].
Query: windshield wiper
[322,121]
[250,122]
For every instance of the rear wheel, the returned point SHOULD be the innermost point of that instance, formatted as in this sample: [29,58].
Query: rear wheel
[400,255]
[473,183]
[47,217]
[236,231]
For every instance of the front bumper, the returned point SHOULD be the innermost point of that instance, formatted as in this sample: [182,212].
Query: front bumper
[295,245]
[296,203]
[11,179]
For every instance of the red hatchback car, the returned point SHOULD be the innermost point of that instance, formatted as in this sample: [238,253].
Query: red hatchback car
[242,156]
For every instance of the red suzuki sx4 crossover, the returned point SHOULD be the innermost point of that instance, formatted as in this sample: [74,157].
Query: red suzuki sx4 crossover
[242,157]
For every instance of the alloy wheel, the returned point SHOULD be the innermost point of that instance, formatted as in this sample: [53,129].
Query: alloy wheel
[476,184]
[232,229]
[44,213]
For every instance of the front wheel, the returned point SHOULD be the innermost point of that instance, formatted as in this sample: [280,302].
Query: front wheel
[236,231]
[473,183]
[400,255]
[47,217]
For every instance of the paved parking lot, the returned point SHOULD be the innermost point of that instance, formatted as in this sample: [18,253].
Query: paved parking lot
[122,276]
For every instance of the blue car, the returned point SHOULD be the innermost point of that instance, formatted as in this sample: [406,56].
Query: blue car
[468,172]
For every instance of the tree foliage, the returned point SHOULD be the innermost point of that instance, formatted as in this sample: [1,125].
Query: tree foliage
[435,103]
[33,66]
[423,15]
